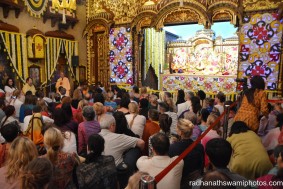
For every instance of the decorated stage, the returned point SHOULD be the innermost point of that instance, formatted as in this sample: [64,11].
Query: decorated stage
[203,62]
[207,83]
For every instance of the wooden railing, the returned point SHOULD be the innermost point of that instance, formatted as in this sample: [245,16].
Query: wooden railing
[229,96]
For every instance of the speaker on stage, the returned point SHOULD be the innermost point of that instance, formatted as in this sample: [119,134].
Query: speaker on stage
[75,61]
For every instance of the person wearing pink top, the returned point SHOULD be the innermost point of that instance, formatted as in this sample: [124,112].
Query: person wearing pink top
[213,133]
[88,127]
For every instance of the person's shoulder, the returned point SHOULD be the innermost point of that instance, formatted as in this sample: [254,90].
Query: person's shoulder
[144,160]
[180,163]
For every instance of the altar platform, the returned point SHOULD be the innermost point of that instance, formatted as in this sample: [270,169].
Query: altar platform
[207,83]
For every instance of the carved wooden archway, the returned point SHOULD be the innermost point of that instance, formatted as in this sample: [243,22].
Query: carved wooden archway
[97,34]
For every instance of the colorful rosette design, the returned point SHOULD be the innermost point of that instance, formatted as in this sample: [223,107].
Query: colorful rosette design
[121,70]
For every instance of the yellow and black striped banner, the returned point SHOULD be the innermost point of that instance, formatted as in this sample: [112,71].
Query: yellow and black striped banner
[15,46]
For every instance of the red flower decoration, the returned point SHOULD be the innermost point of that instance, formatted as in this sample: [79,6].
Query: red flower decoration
[121,70]
[120,41]
[189,84]
[228,86]
[208,85]
[258,70]
[260,32]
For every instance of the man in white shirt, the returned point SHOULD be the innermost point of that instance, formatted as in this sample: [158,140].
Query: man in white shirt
[36,109]
[186,105]
[159,161]
[117,144]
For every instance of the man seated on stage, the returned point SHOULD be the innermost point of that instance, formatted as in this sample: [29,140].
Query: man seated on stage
[29,86]
[64,82]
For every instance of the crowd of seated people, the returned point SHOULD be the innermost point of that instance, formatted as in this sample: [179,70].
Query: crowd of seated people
[110,138]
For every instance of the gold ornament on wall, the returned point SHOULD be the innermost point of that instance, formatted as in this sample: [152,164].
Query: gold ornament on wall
[124,10]
[182,16]
[254,5]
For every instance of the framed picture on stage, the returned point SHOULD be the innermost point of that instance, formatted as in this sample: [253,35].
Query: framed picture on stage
[82,73]
[34,73]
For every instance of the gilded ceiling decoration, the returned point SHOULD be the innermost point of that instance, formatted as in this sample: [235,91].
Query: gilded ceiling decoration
[182,16]
[222,16]
[253,5]
[125,11]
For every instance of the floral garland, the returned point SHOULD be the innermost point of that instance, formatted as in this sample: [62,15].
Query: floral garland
[15,46]
[36,8]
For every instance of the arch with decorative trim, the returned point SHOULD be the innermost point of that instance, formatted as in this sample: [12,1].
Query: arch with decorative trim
[168,9]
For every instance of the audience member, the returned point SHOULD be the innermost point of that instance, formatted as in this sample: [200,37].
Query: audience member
[78,116]
[276,152]
[160,160]
[191,116]
[246,144]
[27,119]
[68,112]
[164,109]
[219,101]
[151,127]
[219,152]
[144,93]
[109,101]
[63,163]
[201,94]
[2,105]
[35,127]
[98,171]
[17,101]
[27,106]
[269,140]
[144,107]
[180,97]
[253,104]
[135,121]
[194,161]
[9,89]
[99,110]
[186,105]
[216,176]
[10,113]
[117,144]
[9,132]
[37,174]
[122,124]
[271,179]
[87,128]
[213,133]
[124,104]
[21,152]
[77,97]
[153,102]
[136,94]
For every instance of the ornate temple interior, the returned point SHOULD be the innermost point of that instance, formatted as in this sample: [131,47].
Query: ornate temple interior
[148,94]
[126,42]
